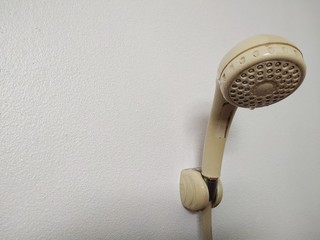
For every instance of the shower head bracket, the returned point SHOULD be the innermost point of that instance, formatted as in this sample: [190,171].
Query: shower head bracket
[196,191]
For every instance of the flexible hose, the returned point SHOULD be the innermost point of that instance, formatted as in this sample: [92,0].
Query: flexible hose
[206,223]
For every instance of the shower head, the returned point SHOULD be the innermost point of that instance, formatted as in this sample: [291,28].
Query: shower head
[258,72]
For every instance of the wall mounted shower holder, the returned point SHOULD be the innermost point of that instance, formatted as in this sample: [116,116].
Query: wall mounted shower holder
[197,192]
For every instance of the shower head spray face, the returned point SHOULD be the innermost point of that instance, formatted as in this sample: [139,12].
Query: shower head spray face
[260,71]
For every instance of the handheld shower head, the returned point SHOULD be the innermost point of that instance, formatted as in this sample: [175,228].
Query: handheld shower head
[257,72]
[260,71]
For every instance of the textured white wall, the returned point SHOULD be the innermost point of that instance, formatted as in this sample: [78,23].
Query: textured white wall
[103,103]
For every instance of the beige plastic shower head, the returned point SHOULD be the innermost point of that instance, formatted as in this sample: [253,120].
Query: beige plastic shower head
[257,72]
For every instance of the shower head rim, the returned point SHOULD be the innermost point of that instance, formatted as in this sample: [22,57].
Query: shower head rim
[251,43]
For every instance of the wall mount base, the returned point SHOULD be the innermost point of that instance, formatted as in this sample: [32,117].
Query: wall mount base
[197,192]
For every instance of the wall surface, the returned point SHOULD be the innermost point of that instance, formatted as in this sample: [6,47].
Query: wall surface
[103,103]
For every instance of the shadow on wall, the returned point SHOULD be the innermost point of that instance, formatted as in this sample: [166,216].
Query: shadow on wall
[197,126]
